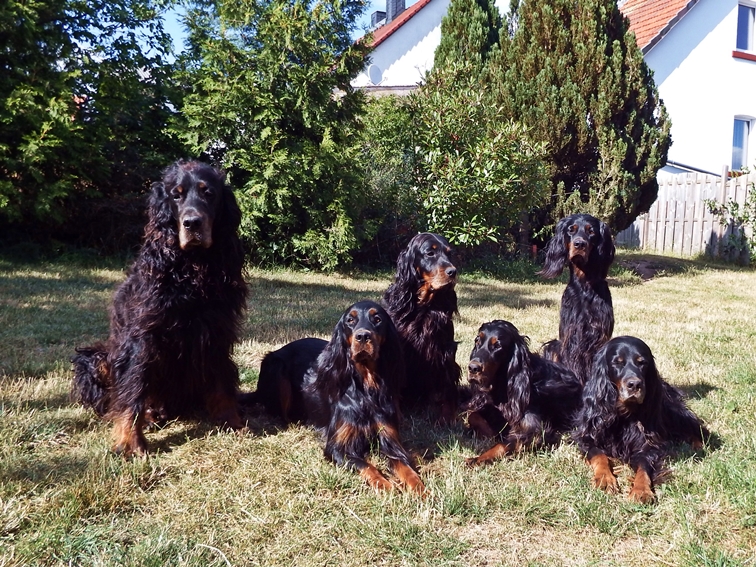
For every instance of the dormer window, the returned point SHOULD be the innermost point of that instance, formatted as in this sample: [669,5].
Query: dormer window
[746,17]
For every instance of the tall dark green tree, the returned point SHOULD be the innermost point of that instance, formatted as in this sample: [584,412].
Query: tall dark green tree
[271,100]
[83,101]
[469,33]
[572,72]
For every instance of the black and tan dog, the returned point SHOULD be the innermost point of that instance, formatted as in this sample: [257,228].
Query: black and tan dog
[586,316]
[348,387]
[630,414]
[422,302]
[519,398]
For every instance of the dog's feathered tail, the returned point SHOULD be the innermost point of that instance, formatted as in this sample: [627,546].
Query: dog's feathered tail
[91,383]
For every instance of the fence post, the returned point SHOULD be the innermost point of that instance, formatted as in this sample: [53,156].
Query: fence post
[722,197]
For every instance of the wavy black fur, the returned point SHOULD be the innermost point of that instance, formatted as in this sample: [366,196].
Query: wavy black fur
[176,317]
[522,399]
[630,413]
[348,388]
[422,302]
[586,316]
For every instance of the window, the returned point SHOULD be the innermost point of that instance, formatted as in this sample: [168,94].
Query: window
[746,16]
[741,130]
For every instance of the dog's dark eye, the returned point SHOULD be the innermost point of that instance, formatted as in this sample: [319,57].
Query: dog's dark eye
[350,320]
[176,196]
[589,229]
[376,319]
[640,362]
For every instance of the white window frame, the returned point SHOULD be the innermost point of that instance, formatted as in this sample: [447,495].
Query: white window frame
[745,157]
[751,25]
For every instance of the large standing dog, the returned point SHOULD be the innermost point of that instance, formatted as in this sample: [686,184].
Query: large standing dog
[175,319]
[422,302]
[586,316]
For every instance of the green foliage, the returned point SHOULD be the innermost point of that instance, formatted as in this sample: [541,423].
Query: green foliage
[270,99]
[573,73]
[740,242]
[469,33]
[445,160]
[79,115]
[476,170]
[388,162]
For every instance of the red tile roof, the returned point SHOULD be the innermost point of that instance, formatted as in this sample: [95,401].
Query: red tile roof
[382,33]
[649,19]
[652,19]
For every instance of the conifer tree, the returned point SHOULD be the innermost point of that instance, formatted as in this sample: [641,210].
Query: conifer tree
[469,33]
[572,72]
[271,100]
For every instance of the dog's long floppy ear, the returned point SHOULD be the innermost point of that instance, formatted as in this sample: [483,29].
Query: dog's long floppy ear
[400,295]
[606,249]
[405,263]
[230,208]
[519,376]
[651,410]
[599,398]
[556,250]
[159,206]
[335,367]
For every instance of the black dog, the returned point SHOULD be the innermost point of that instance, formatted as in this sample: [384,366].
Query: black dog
[586,317]
[422,302]
[347,387]
[629,413]
[523,399]
[177,316]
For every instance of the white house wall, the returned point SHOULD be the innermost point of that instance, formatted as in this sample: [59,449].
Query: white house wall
[703,86]
[404,57]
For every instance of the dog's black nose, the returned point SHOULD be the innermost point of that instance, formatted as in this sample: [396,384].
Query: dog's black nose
[474,368]
[192,223]
[633,384]
[451,271]
[362,336]
[579,243]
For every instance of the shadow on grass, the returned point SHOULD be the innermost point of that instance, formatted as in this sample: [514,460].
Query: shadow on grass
[47,468]
[697,391]
[652,266]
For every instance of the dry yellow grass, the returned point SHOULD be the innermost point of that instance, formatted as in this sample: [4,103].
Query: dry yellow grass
[208,497]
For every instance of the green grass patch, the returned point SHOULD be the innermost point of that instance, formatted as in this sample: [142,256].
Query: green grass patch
[209,497]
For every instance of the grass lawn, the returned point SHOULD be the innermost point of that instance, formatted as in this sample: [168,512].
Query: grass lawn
[209,497]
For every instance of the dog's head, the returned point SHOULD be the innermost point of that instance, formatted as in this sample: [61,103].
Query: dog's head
[427,259]
[631,369]
[499,366]
[189,199]
[364,341]
[624,379]
[583,241]
[365,326]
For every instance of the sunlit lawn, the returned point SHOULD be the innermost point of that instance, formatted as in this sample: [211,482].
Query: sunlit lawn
[207,497]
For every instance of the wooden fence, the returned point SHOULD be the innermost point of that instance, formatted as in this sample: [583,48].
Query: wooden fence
[679,222]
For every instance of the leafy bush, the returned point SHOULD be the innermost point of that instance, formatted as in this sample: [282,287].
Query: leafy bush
[740,242]
[476,169]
